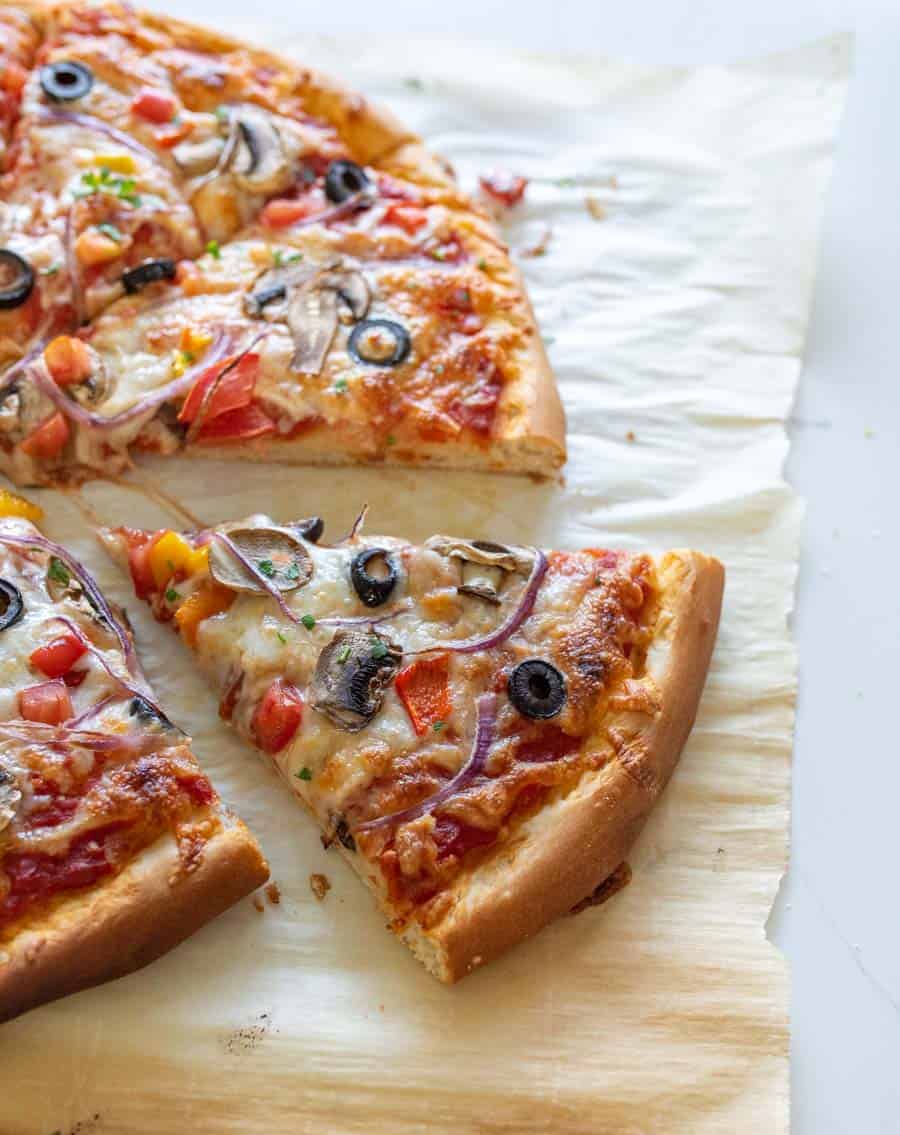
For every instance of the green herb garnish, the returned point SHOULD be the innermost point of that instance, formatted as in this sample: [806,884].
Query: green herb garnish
[266,567]
[111,231]
[51,271]
[390,440]
[482,264]
[343,655]
[282,637]
[340,387]
[438,726]
[172,595]
[308,621]
[103,181]
[58,571]
[214,249]
[292,572]
[221,113]
[304,774]
[379,650]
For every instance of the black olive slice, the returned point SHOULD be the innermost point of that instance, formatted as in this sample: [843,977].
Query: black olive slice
[150,272]
[149,714]
[311,529]
[374,590]
[343,180]
[16,279]
[265,296]
[537,689]
[379,342]
[66,80]
[11,606]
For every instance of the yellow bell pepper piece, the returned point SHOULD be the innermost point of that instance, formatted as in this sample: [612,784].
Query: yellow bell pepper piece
[172,553]
[209,599]
[194,342]
[115,163]
[11,504]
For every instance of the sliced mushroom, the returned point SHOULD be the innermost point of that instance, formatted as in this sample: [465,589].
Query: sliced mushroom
[197,158]
[268,296]
[312,319]
[10,796]
[260,164]
[352,673]
[484,566]
[22,408]
[96,388]
[277,553]
[353,288]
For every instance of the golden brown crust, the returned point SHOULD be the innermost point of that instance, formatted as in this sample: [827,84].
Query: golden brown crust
[570,848]
[130,920]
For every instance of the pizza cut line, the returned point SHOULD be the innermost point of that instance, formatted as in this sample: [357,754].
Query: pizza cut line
[114,846]
[204,248]
[480,728]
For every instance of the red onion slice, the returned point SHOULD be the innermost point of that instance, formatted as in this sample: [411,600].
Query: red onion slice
[55,117]
[361,200]
[34,732]
[73,268]
[485,721]
[91,590]
[364,620]
[91,421]
[248,565]
[91,711]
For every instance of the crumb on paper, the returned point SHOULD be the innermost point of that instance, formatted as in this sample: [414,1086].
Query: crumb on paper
[631,436]
[273,894]
[538,247]
[869,432]
[319,885]
[249,1036]
[258,904]
[594,207]
[82,1127]
[611,885]
[613,181]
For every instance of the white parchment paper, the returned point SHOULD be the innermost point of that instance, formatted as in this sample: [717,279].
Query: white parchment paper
[675,310]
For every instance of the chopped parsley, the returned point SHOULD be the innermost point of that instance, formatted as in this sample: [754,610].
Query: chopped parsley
[437,254]
[266,567]
[282,637]
[598,581]
[340,387]
[111,231]
[279,259]
[51,271]
[214,249]
[221,113]
[292,572]
[343,655]
[390,440]
[308,621]
[379,650]
[103,181]
[172,595]
[171,567]
[482,264]
[58,571]
[438,726]
[304,774]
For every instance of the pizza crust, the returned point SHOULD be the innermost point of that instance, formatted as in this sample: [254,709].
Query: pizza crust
[568,849]
[131,920]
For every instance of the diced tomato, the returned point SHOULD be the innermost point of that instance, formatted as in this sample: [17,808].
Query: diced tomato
[232,392]
[13,77]
[58,656]
[280,213]
[48,703]
[74,678]
[407,217]
[424,689]
[507,188]
[237,425]
[277,717]
[68,360]
[154,105]
[139,564]
[48,439]
[167,137]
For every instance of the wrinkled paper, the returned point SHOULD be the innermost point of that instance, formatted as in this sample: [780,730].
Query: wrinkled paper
[678,210]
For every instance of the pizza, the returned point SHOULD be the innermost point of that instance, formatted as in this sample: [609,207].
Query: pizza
[480,728]
[205,248]
[114,846]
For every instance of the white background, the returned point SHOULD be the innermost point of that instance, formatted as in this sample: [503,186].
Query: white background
[837,917]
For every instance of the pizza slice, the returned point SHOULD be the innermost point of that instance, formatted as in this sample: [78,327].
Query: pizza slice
[114,846]
[480,728]
[351,304]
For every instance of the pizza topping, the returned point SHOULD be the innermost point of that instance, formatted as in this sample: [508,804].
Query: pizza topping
[310,529]
[314,309]
[507,188]
[154,105]
[59,655]
[484,566]
[149,272]
[149,714]
[352,673]
[197,158]
[277,717]
[268,558]
[259,163]
[345,179]
[537,689]
[10,796]
[374,574]
[48,703]
[11,606]
[16,279]
[48,439]
[379,342]
[66,80]
[424,689]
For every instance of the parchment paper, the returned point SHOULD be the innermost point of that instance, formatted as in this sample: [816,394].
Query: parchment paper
[675,319]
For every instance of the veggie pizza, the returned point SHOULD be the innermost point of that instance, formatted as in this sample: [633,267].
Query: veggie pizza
[205,248]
